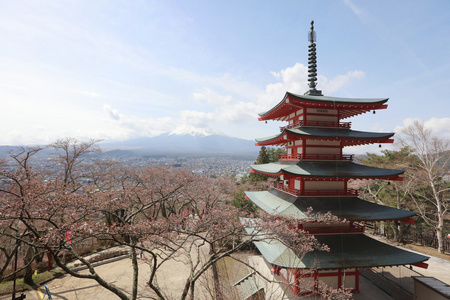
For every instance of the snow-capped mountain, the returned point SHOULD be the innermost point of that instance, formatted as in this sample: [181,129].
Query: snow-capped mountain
[186,140]
[194,131]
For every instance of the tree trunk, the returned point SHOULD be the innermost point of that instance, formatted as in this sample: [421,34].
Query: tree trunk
[134,262]
[28,277]
[192,290]
[440,238]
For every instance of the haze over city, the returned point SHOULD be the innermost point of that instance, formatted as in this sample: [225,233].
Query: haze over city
[119,70]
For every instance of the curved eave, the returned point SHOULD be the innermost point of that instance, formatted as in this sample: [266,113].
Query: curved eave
[347,137]
[349,208]
[346,251]
[336,100]
[347,106]
[325,170]
[359,251]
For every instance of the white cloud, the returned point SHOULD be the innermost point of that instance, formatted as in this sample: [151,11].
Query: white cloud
[439,126]
[356,10]
[295,80]
[340,81]
[232,109]
[211,97]
[363,149]
[113,113]
[131,127]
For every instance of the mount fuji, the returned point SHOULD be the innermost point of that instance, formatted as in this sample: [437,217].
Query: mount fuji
[185,140]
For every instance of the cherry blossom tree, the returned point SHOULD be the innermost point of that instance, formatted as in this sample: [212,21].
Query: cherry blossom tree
[164,213]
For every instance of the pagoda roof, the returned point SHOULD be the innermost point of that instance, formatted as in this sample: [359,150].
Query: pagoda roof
[347,136]
[347,106]
[324,169]
[346,251]
[349,208]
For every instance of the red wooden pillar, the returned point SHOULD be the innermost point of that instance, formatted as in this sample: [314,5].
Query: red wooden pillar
[316,281]
[303,148]
[296,288]
[357,280]
[302,186]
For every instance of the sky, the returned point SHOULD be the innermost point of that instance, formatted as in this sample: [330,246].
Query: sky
[118,70]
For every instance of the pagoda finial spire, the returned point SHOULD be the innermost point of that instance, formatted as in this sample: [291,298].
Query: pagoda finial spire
[312,63]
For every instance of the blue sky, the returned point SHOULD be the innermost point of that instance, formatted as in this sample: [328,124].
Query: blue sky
[116,70]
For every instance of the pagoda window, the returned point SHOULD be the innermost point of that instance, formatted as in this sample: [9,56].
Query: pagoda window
[297,184]
[297,143]
[289,151]
[299,112]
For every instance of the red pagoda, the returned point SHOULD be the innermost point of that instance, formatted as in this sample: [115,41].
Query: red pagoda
[314,173]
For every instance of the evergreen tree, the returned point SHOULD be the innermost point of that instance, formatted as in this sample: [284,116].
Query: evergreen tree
[263,156]
[239,201]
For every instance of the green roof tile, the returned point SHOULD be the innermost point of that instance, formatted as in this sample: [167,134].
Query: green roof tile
[325,169]
[334,133]
[349,208]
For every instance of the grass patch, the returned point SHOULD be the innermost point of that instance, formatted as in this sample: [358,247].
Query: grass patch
[6,287]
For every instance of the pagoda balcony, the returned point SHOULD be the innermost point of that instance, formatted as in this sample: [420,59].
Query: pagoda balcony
[298,157]
[281,187]
[314,193]
[346,192]
[353,228]
[300,123]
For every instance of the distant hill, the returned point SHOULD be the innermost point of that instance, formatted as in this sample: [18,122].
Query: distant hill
[184,140]
[183,144]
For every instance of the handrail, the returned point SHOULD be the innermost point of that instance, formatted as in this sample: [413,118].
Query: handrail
[317,124]
[299,157]
[280,186]
[347,192]
[318,229]
[295,192]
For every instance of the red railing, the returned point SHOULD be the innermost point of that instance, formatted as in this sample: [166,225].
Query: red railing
[295,192]
[334,229]
[281,187]
[347,192]
[317,124]
[316,157]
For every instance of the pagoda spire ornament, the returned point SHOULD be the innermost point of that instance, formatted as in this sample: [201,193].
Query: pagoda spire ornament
[312,63]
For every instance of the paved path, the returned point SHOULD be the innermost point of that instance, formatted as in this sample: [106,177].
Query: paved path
[172,278]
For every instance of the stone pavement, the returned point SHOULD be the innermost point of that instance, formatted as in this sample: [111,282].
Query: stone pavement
[172,279]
